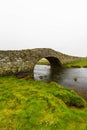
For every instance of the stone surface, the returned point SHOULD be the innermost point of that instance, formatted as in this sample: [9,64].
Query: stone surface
[22,62]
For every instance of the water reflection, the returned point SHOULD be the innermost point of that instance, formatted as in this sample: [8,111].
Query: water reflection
[72,78]
[42,72]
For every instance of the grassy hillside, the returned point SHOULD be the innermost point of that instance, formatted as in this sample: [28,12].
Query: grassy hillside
[33,105]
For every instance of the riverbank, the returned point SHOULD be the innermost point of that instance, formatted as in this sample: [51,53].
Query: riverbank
[34,105]
[77,64]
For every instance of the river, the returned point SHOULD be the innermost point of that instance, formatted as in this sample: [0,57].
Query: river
[72,78]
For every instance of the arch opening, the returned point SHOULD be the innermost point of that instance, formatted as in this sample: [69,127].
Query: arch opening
[45,68]
[42,70]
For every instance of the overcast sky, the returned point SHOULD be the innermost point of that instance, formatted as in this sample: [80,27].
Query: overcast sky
[57,24]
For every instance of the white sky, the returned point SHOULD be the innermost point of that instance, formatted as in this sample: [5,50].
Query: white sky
[57,24]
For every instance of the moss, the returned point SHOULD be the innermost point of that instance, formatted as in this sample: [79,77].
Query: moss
[34,105]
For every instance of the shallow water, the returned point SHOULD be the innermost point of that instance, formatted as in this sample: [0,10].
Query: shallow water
[72,78]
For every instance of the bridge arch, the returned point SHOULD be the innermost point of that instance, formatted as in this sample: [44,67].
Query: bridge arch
[54,63]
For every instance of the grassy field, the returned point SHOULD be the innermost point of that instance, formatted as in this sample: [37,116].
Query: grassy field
[81,63]
[34,105]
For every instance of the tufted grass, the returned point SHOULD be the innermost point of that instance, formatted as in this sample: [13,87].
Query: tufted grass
[34,105]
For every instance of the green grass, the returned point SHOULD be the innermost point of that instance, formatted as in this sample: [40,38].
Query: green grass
[43,62]
[80,63]
[34,105]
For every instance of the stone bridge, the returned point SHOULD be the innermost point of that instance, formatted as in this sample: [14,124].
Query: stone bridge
[22,62]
